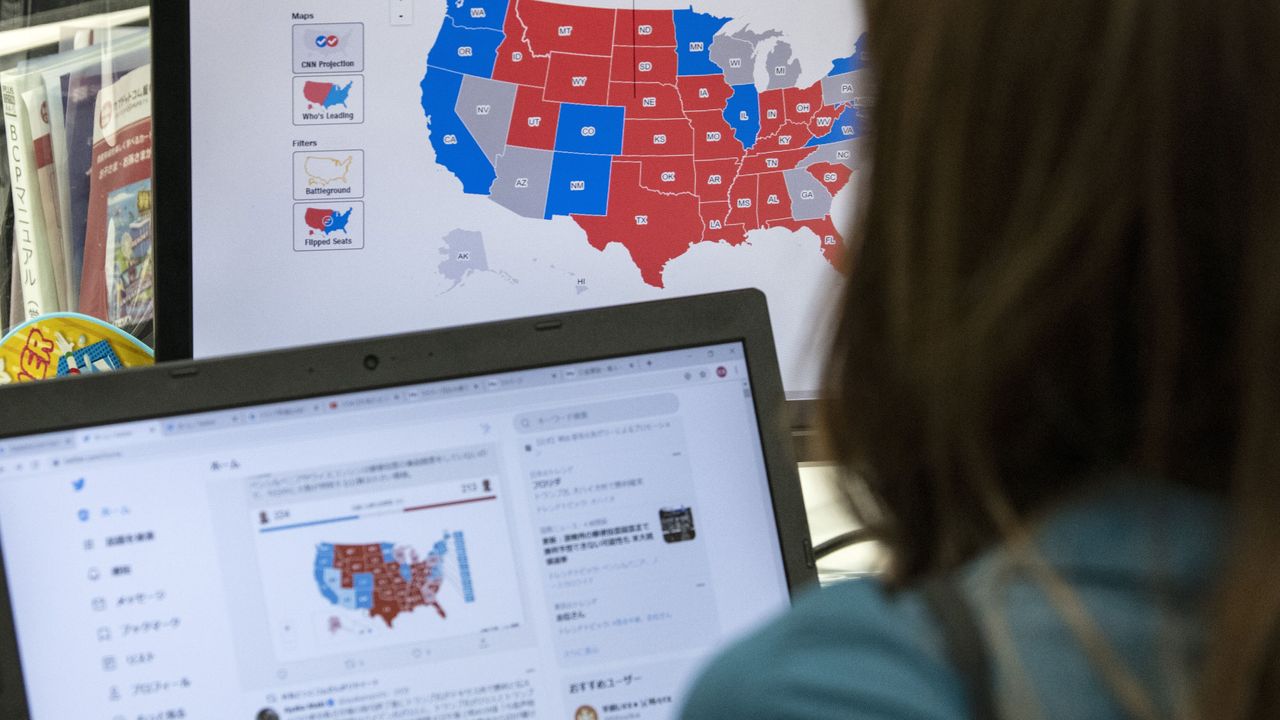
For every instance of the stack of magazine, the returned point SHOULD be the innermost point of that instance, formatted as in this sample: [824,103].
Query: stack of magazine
[78,134]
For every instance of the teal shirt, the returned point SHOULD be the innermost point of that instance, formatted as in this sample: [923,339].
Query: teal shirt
[1143,559]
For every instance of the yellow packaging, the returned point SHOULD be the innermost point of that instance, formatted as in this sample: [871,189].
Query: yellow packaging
[67,344]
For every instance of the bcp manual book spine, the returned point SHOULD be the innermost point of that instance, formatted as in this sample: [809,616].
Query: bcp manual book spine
[40,293]
[8,279]
[8,261]
[14,309]
[16,304]
[117,281]
[36,100]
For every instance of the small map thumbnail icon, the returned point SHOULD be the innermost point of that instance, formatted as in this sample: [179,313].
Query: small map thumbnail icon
[325,171]
[328,48]
[334,100]
[328,174]
[325,94]
[334,225]
[326,220]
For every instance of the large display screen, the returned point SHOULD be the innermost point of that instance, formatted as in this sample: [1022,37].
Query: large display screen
[538,544]
[377,167]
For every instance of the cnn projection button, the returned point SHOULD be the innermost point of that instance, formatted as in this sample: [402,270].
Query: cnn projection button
[328,226]
[334,48]
[324,174]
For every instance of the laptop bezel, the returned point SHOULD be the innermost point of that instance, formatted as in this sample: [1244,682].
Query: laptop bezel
[324,370]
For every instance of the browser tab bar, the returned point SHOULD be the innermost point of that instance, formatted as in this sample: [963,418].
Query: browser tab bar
[292,411]
[32,446]
[120,434]
[198,423]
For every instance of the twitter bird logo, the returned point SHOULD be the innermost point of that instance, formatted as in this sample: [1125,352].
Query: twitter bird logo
[77,484]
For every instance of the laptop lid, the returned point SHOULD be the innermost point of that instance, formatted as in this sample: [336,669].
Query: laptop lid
[552,518]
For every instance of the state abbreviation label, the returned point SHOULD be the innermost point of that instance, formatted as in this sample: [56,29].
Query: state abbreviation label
[336,100]
[328,226]
[322,174]
[335,48]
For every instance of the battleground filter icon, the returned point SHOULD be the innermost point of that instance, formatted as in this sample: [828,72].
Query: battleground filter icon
[677,524]
[325,171]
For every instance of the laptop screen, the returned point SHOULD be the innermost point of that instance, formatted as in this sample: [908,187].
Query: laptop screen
[564,542]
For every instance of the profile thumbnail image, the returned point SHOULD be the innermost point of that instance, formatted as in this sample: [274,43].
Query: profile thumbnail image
[677,524]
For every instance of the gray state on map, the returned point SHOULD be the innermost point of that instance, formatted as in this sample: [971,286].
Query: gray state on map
[848,87]
[524,175]
[464,254]
[841,153]
[809,199]
[485,107]
[736,57]
[754,37]
[783,71]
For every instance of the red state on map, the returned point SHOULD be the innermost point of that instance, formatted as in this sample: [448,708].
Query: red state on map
[803,104]
[715,228]
[666,174]
[392,594]
[777,161]
[647,100]
[713,138]
[516,61]
[644,64]
[704,92]
[655,228]
[714,178]
[714,215]
[833,248]
[773,112]
[645,27]
[825,119]
[742,202]
[773,199]
[553,27]
[790,136]
[582,79]
[657,137]
[832,176]
[533,120]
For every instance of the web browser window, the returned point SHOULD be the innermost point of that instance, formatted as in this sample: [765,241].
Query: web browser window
[571,541]
[402,165]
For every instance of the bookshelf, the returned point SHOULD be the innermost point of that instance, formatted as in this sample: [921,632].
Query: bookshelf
[75,168]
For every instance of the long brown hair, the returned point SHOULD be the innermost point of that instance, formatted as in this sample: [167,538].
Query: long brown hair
[1068,263]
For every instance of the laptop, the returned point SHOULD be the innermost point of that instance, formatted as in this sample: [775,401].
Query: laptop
[560,517]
